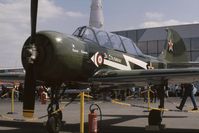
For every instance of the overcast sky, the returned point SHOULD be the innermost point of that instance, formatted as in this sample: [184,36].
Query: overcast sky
[66,15]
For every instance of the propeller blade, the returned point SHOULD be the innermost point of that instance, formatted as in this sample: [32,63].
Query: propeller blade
[34,7]
[30,80]
[29,92]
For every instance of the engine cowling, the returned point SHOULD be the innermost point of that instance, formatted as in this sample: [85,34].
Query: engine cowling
[55,59]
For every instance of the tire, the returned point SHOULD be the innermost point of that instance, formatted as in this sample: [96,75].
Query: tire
[53,125]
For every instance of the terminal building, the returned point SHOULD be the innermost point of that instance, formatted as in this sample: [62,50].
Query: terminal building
[151,41]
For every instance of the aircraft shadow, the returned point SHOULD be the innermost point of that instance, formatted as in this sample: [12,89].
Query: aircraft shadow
[21,127]
[106,126]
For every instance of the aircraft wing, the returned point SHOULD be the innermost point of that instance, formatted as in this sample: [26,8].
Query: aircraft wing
[184,64]
[11,77]
[144,77]
[12,74]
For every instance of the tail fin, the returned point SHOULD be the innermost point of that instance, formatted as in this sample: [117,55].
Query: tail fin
[174,49]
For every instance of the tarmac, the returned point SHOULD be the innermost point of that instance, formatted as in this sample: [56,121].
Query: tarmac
[116,118]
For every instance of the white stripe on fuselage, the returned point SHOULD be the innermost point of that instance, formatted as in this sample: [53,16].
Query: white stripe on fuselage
[119,66]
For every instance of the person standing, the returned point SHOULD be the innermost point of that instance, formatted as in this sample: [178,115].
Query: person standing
[21,92]
[188,91]
[4,91]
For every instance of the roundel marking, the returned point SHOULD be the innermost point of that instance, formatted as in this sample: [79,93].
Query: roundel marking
[100,59]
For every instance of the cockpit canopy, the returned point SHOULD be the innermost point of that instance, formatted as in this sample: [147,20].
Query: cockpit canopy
[108,40]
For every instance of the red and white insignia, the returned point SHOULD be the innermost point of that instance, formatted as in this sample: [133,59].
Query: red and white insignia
[100,59]
[170,45]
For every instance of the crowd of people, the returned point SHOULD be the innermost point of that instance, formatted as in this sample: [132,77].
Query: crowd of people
[183,91]
[186,90]
[6,91]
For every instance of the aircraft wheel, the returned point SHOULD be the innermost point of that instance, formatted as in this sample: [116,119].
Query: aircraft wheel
[60,115]
[53,124]
[155,117]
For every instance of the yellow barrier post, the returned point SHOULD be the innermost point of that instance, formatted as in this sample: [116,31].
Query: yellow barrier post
[149,98]
[12,102]
[82,112]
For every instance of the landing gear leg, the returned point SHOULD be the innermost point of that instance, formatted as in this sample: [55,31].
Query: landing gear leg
[54,121]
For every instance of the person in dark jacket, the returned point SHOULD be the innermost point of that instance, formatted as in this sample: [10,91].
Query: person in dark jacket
[188,91]
[21,92]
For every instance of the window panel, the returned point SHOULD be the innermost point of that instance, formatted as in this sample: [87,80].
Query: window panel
[129,46]
[116,42]
[103,39]
[143,46]
[161,44]
[89,35]
[195,43]
[152,47]
[195,55]
[132,35]
[139,52]
[187,42]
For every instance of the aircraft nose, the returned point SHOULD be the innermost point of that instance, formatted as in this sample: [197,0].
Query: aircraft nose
[53,56]
[30,53]
[36,53]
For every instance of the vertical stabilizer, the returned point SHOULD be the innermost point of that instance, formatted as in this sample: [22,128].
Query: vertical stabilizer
[96,14]
[174,49]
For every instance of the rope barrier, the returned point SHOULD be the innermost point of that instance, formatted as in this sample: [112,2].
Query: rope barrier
[32,119]
[116,101]
[152,108]
[4,95]
[43,116]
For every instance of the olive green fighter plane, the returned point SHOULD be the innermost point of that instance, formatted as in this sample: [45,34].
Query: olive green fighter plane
[97,59]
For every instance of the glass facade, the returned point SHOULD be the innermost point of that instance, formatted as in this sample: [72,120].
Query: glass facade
[143,47]
[195,44]
[187,42]
[154,47]
[161,44]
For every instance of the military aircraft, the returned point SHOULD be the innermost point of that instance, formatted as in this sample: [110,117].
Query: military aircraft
[96,59]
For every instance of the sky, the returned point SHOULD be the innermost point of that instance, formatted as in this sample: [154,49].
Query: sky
[66,15]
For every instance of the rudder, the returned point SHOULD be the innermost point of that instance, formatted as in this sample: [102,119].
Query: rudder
[174,49]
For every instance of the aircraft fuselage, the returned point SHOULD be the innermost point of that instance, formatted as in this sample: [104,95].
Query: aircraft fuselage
[65,58]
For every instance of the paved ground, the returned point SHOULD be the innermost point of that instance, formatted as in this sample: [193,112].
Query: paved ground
[116,118]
